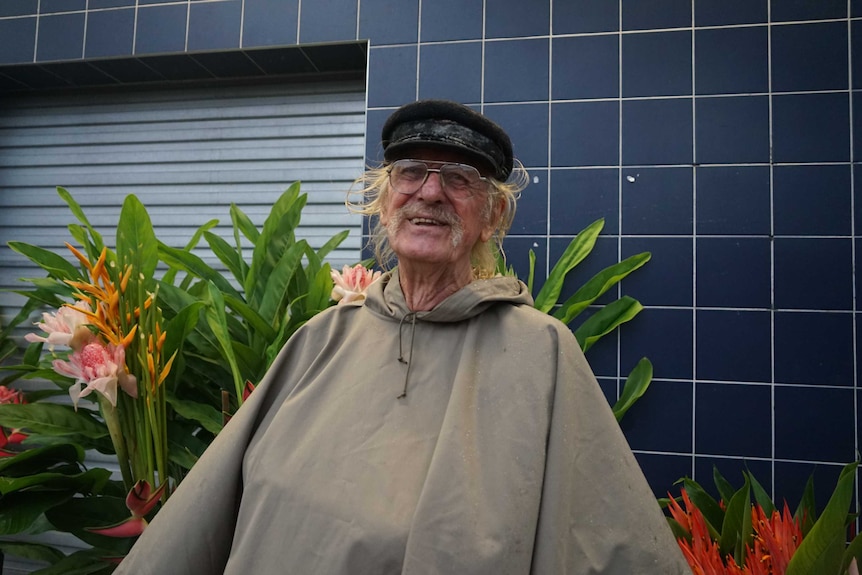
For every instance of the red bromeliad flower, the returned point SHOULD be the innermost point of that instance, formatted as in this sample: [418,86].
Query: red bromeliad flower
[775,540]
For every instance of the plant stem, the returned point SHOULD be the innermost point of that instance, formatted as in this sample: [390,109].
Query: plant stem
[112,420]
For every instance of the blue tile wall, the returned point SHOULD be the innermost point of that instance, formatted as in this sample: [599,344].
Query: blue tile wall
[715,134]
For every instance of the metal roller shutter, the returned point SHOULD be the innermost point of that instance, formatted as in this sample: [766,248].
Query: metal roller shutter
[187,153]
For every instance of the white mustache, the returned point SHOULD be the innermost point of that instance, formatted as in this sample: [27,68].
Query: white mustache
[431,212]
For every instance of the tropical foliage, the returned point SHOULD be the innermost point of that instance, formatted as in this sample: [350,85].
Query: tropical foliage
[153,366]
[745,533]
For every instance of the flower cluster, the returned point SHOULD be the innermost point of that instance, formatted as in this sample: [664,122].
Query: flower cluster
[10,437]
[352,282]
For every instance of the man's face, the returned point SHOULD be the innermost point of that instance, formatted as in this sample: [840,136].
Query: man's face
[433,225]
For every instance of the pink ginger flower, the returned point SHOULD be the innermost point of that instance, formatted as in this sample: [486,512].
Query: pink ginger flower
[351,283]
[67,326]
[100,367]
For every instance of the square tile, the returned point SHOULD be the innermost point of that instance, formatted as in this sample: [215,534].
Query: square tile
[856,51]
[814,348]
[18,8]
[56,6]
[664,336]
[509,18]
[603,254]
[451,71]
[581,196]
[733,346]
[656,64]
[813,273]
[161,29]
[639,15]
[657,131]
[788,10]
[585,67]
[732,130]
[742,69]
[812,200]
[579,16]
[667,279]
[731,468]
[61,37]
[526,60]
[733,200]
[391,76]
[110,33]
[214,25]
[531,217]
[527,126]
[657,201]
[585,134]
[270,22]
[734,272]
[19,35]
[792,476]
[389,21]
[662,470]
[727,12]
[814,424]
[661,418]
[811,128]
[810,56]
[733,419]
[452,20]
[518,249]
[327,21]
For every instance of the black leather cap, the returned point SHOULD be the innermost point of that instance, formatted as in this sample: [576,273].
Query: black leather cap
[447,125]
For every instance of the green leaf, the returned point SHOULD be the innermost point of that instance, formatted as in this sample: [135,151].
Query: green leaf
[217,322]
[598,285]
[84,562]
[332,243]
[725,489]
[195,266]
[171,274]
[22,511]
[822,550]
[761,497]
[90,481]
[40,458]
[736,530]
[255,321]
[55,265]
[76,210]
[709,507]
[806,511]
[136,241]
[76,515]
[227,255]
[579,248]
[276,296]
[208,416]
[31,551]
[606,320]
[853,551]
[52,419]
[531,276]
[636,385]
[242,223]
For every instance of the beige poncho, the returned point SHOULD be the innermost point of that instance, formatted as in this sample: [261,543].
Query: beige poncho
[502,458]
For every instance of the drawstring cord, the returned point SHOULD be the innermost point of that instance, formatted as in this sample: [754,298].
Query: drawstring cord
[401,349]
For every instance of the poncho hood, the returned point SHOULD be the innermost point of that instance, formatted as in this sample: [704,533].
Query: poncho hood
[385,298]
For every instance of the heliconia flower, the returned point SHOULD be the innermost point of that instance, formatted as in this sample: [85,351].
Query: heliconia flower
[66,326]
[8,395]
[140,500]
[352,282]
[247,389]
[100,368]
[13,438]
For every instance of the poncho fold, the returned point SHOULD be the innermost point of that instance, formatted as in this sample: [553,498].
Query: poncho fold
[469,439]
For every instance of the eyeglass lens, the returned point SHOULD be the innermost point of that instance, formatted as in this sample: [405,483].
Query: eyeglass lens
[462,180]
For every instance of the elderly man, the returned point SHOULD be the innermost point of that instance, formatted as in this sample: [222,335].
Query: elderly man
[443,425]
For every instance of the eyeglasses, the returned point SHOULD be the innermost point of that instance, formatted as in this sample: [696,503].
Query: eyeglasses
[460,181]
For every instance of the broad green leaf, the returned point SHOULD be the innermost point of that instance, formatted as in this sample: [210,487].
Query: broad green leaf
[853,551]
[136,241]
[598,285]
[42,297]
[55,265]
[254,320]
[822,550]
[76,515]
[736,530]
[21,511]
[332,243]
[227,255]
[76,210]
[206,415]
[195,266]
[579,248]
[217,322]
[636,385]
[171,274]
[90,481]
[606,320]
[761,497]
[84,562]
[242,223]
[531,276]
[40,458]
[180,326]
[275,294]
[725,489]
[31,551]
[52,419]
[806,511]
[709,507]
